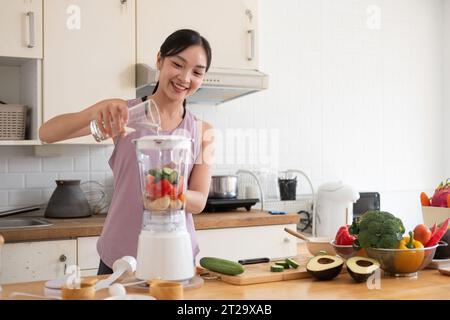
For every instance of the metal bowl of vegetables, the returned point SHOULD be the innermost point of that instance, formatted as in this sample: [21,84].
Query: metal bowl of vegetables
[403,262]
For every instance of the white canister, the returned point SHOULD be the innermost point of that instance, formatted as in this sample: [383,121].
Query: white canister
[334,208]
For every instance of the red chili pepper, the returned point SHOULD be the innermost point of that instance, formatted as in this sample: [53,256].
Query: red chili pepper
[343,236]
[438,234]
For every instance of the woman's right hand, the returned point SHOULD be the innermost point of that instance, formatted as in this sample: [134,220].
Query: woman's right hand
[111,117]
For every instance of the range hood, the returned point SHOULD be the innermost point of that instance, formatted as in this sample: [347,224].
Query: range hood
[219,85]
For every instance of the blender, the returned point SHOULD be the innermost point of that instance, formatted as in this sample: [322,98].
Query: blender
[164,245]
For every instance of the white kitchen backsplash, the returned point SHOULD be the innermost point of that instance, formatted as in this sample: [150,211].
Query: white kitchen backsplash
[27,179]
[355,94]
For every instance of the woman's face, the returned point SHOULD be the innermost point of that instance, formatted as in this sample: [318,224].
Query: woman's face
[182,74]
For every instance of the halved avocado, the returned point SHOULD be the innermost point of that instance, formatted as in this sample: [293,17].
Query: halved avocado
[361,268]
[325,267]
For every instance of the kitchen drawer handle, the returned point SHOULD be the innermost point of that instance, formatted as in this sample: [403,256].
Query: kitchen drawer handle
[251,34]
[31,33]
[63,258]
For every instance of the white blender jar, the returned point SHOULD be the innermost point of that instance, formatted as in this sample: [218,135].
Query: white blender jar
[164,247]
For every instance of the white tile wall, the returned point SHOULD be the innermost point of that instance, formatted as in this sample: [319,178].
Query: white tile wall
[28,179]
[351,97]
[352,100]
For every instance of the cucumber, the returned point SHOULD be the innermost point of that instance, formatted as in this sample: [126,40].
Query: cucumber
[221,265]
[276,268]
[292,263]
[156,173]
[283,263]
[173,177]
[166,171]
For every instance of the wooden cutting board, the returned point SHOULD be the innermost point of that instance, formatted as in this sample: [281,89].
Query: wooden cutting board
[445,271]
[260,273]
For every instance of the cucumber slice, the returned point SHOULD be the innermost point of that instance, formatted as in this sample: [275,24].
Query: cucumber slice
[167,171]
[173,177]
[276,268]
[156,173]
[292,263]
[283,263]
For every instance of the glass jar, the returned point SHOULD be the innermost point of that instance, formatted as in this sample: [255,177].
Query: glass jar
[143,116]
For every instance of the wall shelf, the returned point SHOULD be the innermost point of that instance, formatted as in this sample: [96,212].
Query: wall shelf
[20,142]
[20,83]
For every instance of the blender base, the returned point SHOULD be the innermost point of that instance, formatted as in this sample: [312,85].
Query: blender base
[165,255]
[193,283]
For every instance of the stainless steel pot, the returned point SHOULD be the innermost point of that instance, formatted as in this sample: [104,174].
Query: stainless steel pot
[223,187]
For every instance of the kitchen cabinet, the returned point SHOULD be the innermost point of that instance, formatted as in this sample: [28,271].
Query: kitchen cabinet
[21,25]
[34,261]
[89,55]
[20,83]
[247,242]
[231,27]
[43,260]
[88,258]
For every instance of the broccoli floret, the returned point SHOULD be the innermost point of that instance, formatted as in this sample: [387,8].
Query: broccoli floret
[378,229]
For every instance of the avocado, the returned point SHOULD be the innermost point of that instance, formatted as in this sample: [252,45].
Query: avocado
[361,268]
[325,267]
[443,251]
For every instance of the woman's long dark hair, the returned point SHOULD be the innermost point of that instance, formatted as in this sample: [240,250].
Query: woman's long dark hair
[181,40]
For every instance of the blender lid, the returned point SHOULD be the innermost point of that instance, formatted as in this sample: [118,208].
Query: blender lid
[167,142]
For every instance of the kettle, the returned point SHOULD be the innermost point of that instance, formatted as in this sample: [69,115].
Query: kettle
[68,201]
[334,208]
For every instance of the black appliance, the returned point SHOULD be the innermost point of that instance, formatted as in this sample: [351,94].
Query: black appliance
[221,205]
[366,201]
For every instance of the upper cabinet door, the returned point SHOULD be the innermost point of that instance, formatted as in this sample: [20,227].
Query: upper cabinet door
[90,54]
[21,28]
[230,27]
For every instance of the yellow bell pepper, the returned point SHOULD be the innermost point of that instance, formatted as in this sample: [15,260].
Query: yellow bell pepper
[409,261]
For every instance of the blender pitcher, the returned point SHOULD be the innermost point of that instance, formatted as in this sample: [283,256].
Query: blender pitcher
[164,247]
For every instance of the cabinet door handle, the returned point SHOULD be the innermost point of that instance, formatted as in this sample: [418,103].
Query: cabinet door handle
[31,33]
[63,258]
[251,35]
[123,1]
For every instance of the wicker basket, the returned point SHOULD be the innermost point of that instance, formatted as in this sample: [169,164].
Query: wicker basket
[13,120]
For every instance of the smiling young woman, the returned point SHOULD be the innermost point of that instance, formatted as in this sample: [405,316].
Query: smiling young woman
[183,60]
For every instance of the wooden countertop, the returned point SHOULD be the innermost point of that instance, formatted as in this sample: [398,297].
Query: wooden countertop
[92,226]
[429,284]
[242,218]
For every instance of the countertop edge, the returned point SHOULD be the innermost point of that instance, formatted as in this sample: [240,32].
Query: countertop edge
[92,226]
